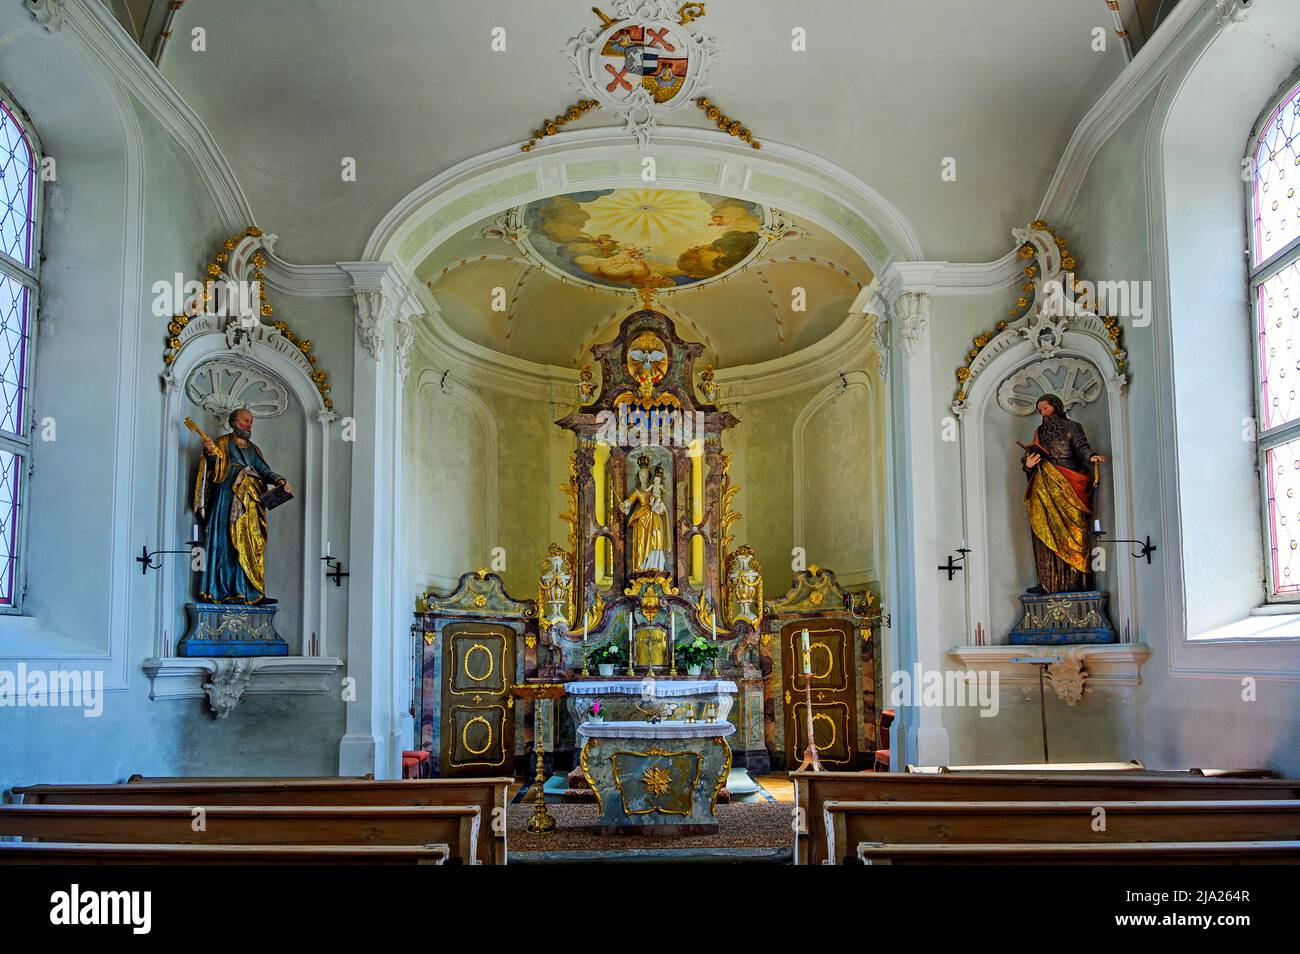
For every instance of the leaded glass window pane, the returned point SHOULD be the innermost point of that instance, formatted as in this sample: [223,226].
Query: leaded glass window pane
[17,187]
[1278,303]
[11,468]
[14,307]
[1276,210]
[1283,466]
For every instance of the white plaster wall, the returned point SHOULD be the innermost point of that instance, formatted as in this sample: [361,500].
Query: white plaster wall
[117,219]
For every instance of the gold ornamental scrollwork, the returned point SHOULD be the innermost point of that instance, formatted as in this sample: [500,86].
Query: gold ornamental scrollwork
[651,590]
[491,667]
[464,736]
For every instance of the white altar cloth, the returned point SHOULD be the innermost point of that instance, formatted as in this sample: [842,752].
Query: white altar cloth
[655,730]
[663,688]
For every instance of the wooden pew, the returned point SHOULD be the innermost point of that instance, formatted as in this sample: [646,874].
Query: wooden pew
[62,853]
[457,827]
[849,824]
[1152,853]
[814,789]
[490,795]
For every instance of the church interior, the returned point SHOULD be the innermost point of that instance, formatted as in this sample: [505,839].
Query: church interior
[539,434]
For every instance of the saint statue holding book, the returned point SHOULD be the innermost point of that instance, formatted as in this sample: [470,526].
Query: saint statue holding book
[232,493]
[1059,465]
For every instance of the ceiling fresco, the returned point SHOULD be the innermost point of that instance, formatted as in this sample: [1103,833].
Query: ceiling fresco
[544,280]
[643,238]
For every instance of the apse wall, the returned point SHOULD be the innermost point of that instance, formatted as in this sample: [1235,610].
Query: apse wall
[127,208]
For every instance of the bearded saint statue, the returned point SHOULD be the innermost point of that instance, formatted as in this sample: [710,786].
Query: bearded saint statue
[1058,499]
[233,475]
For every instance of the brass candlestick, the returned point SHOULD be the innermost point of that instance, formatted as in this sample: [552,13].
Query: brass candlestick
[542,821]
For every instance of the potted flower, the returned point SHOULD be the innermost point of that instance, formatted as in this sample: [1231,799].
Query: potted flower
[695,653]
[607,657]
[594,712]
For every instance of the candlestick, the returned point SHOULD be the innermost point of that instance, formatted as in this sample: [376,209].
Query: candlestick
[672,643]
[630,670]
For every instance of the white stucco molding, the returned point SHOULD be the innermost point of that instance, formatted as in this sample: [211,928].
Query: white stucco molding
[388,300]
[687,158]
[48,13]
[1084,667]
[1188,24]
[226,681]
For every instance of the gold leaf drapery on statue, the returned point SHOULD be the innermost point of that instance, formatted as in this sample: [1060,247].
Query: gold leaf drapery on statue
[1057,514]
[248,527]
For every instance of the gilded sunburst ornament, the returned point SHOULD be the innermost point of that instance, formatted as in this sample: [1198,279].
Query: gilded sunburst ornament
[657,780]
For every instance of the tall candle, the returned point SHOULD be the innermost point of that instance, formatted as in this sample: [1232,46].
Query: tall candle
[807,655]
[1096,526]
[629,639]
[194,534]
[327,548]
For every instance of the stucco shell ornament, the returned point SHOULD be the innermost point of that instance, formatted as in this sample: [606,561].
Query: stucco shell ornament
[642,61]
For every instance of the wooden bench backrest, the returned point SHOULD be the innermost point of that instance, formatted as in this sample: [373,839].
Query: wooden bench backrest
[456,826]
[848,824]
[59,853]
[489,794]
[1157,853]
[814,789]
[134,779]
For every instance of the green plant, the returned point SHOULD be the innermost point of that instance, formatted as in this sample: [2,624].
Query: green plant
[609,654]
[698,651]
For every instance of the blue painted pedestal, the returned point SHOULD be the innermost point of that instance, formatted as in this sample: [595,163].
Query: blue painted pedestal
[229,629]
[1059,619]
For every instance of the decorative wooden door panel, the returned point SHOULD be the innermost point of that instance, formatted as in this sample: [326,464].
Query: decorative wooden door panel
[834,697]
[477,721]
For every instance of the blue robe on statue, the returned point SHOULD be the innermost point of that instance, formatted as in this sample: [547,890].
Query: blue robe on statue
[226,495]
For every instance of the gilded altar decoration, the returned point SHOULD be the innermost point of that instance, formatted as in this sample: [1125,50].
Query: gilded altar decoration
[647,361]
[729,490]
[555,590]
[649,591]
[586,387]
[744,591]
[478,593]
[707,384]
[233,478]
[657,780]
[570,515]
[647,524]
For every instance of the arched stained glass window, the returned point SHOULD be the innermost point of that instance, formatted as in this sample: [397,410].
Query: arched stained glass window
[20,162]
[1275,301]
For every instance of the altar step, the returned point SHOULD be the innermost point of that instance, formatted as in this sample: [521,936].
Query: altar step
[771,856]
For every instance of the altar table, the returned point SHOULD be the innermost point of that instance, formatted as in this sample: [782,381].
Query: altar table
[656,777]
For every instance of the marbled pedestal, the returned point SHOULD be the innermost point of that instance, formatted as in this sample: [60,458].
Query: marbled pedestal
[661,778]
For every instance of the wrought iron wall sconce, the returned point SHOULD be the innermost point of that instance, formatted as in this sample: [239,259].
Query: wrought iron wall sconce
[335,572]
[146,557]
[955,566]
[1145,547]
[863,607]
